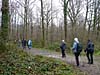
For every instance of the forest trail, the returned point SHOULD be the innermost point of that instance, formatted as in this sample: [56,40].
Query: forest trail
[93,69]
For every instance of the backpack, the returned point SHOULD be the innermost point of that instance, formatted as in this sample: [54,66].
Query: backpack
[79,47]
[29,42]
[63,46]
[90,46]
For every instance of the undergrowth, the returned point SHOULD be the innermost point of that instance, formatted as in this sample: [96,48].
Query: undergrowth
[17,62]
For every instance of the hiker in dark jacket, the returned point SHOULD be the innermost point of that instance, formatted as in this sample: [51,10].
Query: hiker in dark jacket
[89,51]
[75,51]
[63,47]
[24,43]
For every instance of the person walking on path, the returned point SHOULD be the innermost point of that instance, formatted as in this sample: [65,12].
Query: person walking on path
[29,44]
[19,43]
[24,43]
[89,51]
[75,50]
[63,47]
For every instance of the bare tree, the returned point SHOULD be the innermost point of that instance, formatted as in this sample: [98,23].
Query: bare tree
[23,15]
[73,12]
[51,37]
[43,30]
[47,19]
[98,20]
[87,7]
[65,17]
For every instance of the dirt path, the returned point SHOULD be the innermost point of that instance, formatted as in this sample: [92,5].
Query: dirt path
[90,69]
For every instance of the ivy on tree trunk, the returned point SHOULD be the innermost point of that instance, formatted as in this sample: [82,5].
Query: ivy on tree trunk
[5,22]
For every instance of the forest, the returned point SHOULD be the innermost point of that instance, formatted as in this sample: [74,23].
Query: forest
[46,23]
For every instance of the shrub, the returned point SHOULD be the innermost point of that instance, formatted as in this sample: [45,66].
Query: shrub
[55,46]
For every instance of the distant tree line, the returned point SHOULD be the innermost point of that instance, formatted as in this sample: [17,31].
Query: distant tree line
[46,24]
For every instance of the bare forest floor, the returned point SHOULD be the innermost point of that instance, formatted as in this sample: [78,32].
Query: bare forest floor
[93,69]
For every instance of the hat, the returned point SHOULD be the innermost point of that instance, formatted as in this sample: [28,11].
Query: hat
[76,39]
[63,40]
[88,40]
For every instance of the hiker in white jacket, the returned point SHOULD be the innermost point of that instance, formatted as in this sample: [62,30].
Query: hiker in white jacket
[29,44]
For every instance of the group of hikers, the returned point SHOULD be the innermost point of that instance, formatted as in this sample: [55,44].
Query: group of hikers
[77,48]
[25,43]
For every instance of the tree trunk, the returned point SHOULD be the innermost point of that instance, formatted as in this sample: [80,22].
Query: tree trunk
[65,18]
[25,21]
[47,31]
[86,15]
[98,30]
[43,31]
[4,25]
[51,31]
[95,16]
[5,19]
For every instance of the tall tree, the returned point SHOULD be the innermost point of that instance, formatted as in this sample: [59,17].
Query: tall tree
[90,18]
[5,22]
[65,17]
[98,20]
[87,7]
[47,19]
[25,19]
[43,30]
[73,13]
[95,15]
[5,19]
[51,37]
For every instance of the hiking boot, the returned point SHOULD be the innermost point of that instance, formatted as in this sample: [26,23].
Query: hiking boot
[91,63]
[88,63]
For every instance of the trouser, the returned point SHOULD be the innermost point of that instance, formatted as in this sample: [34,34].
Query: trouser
[63,53]
[24,46]
[90,57]
[77,58]
[29,46]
